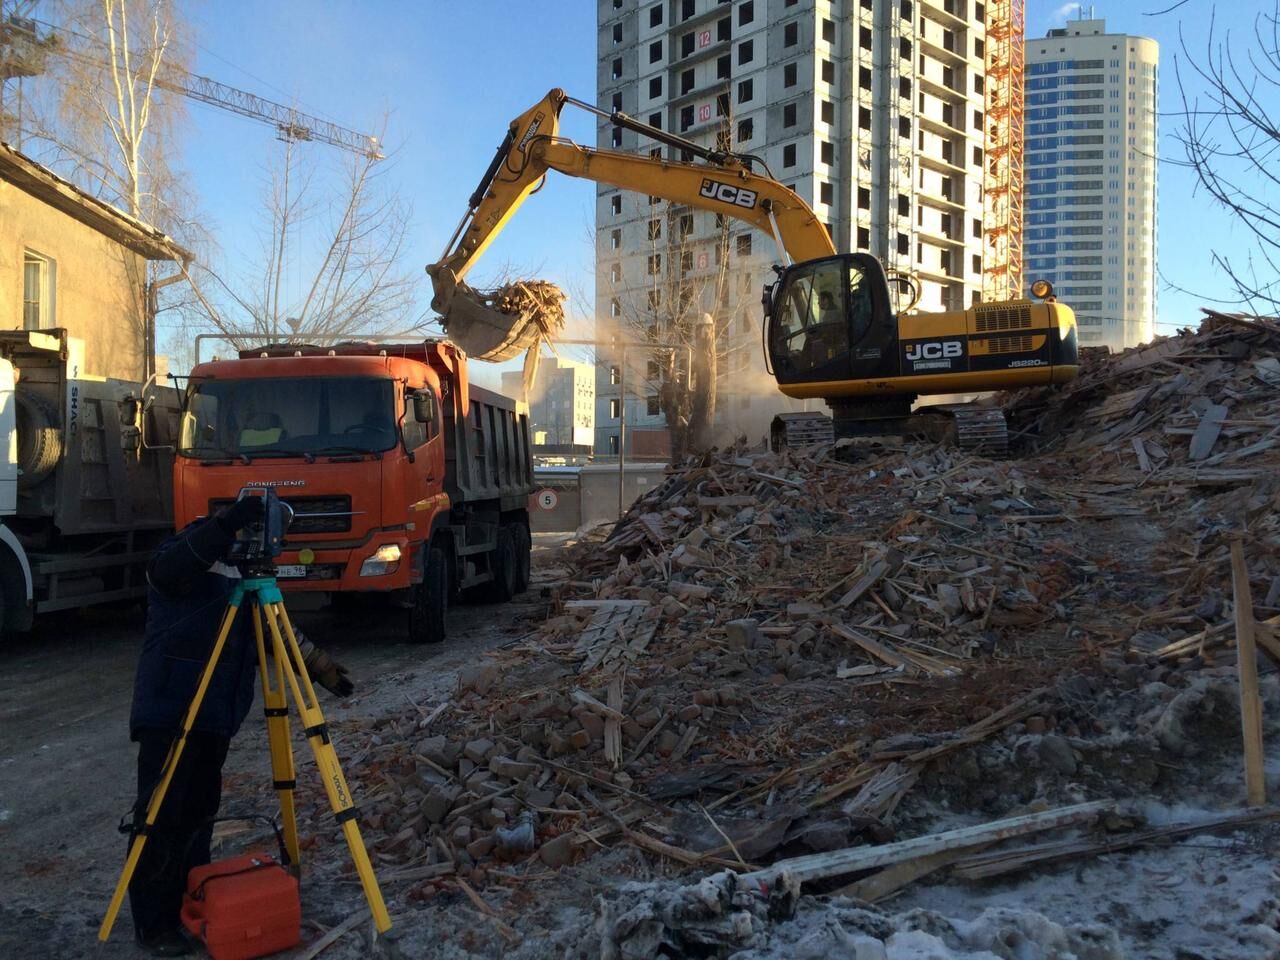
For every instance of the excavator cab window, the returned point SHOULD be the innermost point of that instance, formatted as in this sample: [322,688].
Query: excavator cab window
[824,314]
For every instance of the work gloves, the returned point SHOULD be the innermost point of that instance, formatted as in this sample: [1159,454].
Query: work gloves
[324,670]
[243,513]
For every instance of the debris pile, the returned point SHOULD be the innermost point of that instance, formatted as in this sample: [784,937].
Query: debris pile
[722,914]
[771,655]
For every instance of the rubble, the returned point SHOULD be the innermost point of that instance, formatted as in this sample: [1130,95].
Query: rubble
[792,654]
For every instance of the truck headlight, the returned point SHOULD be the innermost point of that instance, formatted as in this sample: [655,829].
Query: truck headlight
[386,559]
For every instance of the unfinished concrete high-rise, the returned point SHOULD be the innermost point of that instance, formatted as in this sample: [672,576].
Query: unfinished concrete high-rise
[871,110]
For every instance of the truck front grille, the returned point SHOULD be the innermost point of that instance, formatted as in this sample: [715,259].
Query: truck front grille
[331,514]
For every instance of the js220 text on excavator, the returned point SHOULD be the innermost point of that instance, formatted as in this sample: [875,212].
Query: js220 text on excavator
[830,329]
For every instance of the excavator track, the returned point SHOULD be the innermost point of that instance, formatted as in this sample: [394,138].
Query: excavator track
[981,430]
[800,430]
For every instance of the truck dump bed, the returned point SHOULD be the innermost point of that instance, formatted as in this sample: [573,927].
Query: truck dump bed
[487,453]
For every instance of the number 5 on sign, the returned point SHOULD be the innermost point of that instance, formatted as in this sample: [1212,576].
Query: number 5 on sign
[547,499]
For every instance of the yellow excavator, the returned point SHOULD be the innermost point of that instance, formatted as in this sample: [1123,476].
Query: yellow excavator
[830,330]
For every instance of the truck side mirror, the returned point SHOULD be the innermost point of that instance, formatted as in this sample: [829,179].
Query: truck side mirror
[152,420]
[130,429]
[424,406]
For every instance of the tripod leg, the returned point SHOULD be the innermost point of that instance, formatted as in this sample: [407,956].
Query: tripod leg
[276,709]
[286,651]
[170,765]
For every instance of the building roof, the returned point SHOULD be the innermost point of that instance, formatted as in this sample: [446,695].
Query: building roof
[42,183]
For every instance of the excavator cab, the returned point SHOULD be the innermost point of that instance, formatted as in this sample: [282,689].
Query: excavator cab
[831,320]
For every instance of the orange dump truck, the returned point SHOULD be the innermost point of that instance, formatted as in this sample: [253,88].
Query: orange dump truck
[404,479]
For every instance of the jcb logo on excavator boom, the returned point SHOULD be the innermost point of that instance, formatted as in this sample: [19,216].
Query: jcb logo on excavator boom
[728,193]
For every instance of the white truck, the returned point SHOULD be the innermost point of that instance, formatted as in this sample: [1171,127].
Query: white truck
[83,501]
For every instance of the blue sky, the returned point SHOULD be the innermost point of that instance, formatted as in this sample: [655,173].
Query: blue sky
[450,75]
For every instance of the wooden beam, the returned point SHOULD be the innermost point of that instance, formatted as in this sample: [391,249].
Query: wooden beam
[1247,659]
[839,862]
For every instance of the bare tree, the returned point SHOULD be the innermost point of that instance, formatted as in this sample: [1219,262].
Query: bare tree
[332,257]
[687,298]
[1230,130]
[90,103]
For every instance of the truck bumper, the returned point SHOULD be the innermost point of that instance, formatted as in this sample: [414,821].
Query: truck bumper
[340,570]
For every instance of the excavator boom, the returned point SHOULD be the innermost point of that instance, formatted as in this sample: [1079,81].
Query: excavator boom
[532,147]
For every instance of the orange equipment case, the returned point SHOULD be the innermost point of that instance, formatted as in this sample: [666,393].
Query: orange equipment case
[243,907]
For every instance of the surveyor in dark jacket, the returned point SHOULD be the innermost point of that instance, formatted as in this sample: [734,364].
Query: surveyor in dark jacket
[189,587]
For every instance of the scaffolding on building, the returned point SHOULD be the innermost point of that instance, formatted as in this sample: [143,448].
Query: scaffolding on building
[1002,169]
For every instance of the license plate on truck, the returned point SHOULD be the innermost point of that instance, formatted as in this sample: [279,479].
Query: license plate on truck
[287,571]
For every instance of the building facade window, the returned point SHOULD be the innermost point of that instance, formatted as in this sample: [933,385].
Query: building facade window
[38,289]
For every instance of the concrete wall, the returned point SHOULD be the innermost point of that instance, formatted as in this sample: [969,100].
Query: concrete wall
[599,485]
[97,284]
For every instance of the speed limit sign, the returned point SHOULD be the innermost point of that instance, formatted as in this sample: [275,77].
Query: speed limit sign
[547,499]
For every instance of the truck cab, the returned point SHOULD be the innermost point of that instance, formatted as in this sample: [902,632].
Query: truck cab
[394,466]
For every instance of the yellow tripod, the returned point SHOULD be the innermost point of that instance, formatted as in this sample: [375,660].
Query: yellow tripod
[266,601]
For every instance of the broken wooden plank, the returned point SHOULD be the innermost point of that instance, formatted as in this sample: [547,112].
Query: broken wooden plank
[1206,434]
[873,647]
[613,725]
[892,879]
[595,706]
[839,862]
[332,936]
[886,566]
[997,863]
[1144,462]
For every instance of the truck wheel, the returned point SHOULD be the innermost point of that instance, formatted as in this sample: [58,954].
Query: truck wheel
[39,440]
[431,600]
[15,611]
[524,548]
[503,586]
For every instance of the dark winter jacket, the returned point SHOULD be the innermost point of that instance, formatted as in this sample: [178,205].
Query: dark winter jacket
[186,604]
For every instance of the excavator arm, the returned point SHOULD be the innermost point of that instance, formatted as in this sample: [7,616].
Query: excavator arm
[532,148]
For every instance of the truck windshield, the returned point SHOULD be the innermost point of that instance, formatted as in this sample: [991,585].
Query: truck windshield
[279,417]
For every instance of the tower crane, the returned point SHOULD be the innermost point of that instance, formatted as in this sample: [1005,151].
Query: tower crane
[23,47]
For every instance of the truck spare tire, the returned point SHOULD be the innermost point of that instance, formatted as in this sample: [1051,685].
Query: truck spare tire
[39,438]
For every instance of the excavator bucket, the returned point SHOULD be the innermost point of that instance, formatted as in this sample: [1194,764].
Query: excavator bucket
[502,324]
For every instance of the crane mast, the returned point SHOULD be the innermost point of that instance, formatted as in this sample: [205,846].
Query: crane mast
[1002,170]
